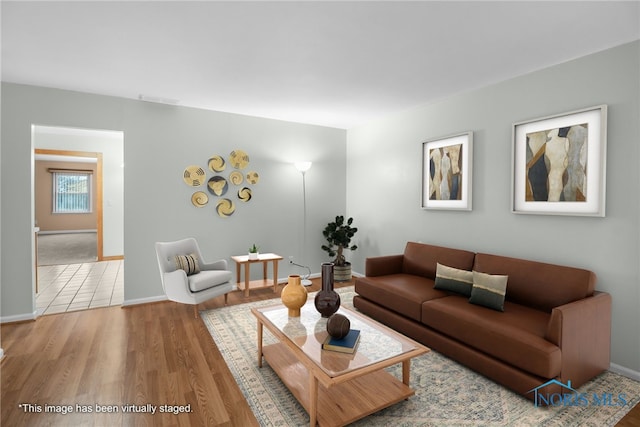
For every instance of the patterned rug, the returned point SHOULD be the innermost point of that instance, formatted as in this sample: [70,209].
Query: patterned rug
[447,393]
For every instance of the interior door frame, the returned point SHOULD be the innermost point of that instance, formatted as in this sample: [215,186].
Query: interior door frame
[99,191]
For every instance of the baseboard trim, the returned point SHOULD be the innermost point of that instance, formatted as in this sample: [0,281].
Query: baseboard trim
[629,373]
[19,317]
[112,258]
[148,300]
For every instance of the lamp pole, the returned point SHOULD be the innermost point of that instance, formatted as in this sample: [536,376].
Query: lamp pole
[303,167]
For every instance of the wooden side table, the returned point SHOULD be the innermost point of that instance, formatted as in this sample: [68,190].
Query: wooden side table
[241,260]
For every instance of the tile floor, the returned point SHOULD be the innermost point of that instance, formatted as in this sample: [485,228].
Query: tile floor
[79,286]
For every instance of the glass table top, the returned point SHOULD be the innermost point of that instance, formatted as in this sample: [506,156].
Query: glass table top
[377,342]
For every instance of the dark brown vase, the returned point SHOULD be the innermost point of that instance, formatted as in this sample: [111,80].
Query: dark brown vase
[327,300]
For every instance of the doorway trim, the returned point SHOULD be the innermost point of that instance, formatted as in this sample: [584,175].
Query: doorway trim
[99,191]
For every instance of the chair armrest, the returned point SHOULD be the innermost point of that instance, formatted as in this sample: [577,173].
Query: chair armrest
[383,265]
[582,330]
[175,276]
[176,286]
[220,264]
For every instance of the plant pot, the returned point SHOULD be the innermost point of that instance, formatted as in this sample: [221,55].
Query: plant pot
[253,255]
[342,273]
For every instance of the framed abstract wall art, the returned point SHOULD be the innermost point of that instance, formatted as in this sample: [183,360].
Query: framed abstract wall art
[559,164]
[446,172]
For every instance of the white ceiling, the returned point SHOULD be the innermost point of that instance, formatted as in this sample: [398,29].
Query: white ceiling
[335,64]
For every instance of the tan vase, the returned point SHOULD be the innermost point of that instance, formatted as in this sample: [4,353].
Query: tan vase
[294,295]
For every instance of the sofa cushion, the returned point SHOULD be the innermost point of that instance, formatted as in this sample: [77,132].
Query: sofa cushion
[422,259]
[489,290]
[536,284]
[402,293]
[454,280]
[515,336]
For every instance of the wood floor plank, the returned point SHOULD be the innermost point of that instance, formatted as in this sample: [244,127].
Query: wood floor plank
[153,353]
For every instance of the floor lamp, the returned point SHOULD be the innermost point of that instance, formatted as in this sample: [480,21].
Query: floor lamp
[303,167]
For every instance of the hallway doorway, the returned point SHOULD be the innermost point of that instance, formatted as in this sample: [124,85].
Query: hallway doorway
[79,222]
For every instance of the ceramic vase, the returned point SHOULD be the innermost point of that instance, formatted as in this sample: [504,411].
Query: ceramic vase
[327,300]
[294,295]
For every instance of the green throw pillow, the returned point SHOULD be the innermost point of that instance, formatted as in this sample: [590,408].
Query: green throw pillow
[188,263]
[489,290]
[454,280]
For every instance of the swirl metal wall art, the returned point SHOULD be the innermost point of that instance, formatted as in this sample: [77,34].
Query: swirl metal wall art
[217,164]
[236,177]
[244,194]
[218,184]
[199,199]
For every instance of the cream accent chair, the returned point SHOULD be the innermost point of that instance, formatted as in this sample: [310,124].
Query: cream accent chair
[212,281]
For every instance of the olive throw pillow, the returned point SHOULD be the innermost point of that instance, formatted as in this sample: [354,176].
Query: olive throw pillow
[188,263]
[489,290]
[453,279]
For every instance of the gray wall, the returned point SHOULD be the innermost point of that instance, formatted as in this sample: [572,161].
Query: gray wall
[159,143]
[384,175]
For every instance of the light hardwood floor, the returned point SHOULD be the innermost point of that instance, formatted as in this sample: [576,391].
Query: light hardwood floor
[155,353]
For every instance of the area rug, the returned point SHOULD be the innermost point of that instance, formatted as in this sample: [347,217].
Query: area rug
[447,393]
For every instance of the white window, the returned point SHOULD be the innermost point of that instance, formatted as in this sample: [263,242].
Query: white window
[71,192]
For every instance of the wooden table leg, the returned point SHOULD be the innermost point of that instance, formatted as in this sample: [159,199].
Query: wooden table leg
[406,371]
[259,344]
[247,275]
[275,275]
[313,400]
[238,273]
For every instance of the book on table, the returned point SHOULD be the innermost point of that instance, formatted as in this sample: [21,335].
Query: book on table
[347,344]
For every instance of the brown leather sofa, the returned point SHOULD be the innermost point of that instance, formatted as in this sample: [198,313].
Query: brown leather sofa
[554,326]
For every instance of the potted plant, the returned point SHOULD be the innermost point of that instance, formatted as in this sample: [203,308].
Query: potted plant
[253,252]
[339,234]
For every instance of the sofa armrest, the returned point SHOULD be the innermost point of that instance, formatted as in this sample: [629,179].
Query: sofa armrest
[383,265]
[582,330]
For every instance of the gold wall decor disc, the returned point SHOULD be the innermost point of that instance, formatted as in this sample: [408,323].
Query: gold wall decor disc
[217,164]
[236,177]
[244,194]
[199,199]
[217,185]
[239,159]
[225,208]
[253,177]
[194,176]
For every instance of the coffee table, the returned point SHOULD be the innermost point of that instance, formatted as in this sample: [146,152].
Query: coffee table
[335,388]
